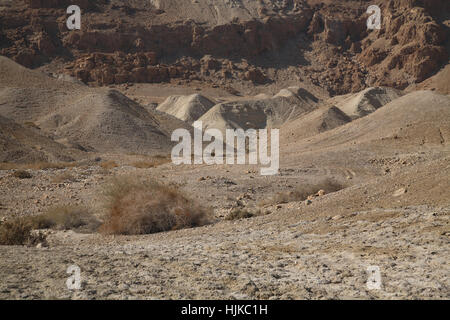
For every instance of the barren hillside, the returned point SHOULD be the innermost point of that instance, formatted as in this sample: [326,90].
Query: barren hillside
[94,119]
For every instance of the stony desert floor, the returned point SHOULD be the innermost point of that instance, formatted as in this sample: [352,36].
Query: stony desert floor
[364,149]
[290,251]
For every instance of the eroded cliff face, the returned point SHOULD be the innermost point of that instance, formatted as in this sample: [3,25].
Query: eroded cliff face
[228,41]
[411,46]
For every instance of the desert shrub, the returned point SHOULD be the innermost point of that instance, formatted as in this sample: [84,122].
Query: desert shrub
[15,232]
[31,124]
[143,164]
[66,217]
[109,164]
[144,207]
[238,214]
[301,193]
[63,177]
[151,162]
[37,165]
[22,174]
[50,165]
[19,231]
[7,166]
[103,171]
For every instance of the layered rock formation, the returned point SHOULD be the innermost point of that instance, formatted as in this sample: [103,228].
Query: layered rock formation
[326,41]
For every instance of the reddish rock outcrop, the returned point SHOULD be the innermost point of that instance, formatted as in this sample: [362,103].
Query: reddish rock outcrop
[411,45]
[105,69]
[255,75]
[328,42]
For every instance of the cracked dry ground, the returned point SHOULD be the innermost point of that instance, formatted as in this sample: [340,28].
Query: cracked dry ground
[293,251]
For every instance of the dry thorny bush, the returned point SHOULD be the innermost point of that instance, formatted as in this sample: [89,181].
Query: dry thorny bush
[135,207]
[64,177]
[301,193]
[38,165]
[20,230]
[66,217]
[110,164]
[238,214]
[22,174]
[151,162]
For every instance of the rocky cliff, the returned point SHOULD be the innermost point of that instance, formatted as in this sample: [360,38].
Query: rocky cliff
[325,42]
